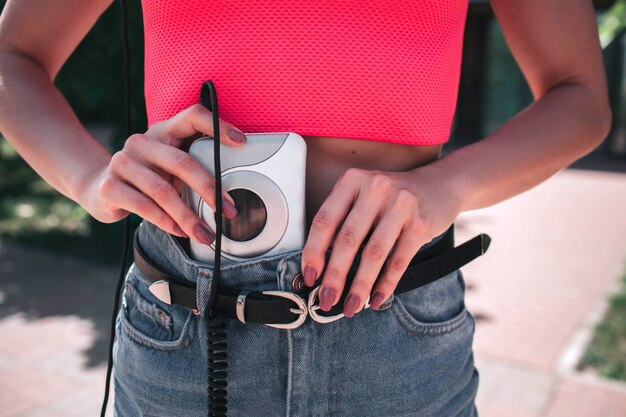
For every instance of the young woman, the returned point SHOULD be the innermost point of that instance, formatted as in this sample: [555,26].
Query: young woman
[372,88]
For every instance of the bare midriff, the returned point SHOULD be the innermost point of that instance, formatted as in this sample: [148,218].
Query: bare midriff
[328,158]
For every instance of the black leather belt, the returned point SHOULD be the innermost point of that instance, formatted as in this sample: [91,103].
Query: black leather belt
[288,310]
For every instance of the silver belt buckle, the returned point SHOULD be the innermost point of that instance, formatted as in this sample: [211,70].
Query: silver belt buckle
[314,307]
[302,310]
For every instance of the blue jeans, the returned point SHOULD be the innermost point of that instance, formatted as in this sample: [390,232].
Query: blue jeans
[411,358]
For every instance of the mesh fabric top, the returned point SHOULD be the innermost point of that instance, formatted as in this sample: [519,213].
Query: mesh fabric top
[385,71]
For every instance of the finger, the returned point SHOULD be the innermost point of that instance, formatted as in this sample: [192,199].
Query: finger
[182,165]
[163,194]
[189,122]
[397,263]
[121,195]
[323,227]
[373,258]
[355,228]
[178,185]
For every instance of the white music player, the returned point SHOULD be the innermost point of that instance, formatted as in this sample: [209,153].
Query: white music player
[266,178]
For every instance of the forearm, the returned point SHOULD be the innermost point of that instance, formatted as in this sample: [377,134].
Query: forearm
[40,124]
[565,124]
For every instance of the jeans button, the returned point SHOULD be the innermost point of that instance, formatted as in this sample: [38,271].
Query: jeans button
[297,284]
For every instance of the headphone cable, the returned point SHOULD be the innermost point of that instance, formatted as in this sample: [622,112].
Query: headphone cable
[126,232]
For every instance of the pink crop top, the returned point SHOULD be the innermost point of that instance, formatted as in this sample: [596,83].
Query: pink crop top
[384,70]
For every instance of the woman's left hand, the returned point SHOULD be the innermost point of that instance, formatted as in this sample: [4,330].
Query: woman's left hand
[406,209]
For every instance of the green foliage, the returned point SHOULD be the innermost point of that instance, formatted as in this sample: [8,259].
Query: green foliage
[34,213]
[607,351]
[612,22]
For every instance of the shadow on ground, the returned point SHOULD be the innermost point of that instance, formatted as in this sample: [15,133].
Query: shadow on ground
[40,284]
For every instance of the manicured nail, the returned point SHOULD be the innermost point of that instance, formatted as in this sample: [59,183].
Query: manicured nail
[327,296]
[236,135]
[203,234]
[229,210]
[179,231]
[377,300]
[350,305]
[310,274]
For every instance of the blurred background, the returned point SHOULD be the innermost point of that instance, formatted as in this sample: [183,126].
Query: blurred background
[549,297]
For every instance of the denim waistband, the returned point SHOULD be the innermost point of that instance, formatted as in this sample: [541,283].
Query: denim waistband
[269,272]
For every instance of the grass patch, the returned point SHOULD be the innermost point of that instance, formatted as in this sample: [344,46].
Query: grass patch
[606,353]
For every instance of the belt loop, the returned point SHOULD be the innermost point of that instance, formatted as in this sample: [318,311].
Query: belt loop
[203,289]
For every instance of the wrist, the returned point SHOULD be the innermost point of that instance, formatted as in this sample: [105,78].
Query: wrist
[445,180]
[85,185]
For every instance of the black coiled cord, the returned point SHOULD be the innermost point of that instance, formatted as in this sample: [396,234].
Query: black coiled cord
[217,357]
[126,234]
[215,325]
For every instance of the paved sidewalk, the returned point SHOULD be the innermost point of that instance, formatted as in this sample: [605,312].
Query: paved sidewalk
[557,251]
[54,326]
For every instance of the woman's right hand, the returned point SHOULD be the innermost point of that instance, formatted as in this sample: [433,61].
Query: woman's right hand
[145,176]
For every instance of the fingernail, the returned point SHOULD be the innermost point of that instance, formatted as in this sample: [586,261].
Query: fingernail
[229,210]
[180,231]
[309,276]
[377,300]
[203,234]
[350,305]
[236,135]
[327,296]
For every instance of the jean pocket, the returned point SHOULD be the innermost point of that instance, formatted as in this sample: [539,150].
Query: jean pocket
[434,309]
[149,321]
